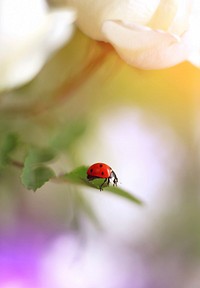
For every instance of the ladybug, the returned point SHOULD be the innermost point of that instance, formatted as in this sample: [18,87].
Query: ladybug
[101,170]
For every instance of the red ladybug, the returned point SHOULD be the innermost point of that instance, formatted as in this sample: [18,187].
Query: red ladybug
[101,170]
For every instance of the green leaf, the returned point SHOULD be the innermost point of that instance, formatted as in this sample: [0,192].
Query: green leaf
[34,173]
[121,192]
[8,145]
[79,176]
[39,155]
[35,178]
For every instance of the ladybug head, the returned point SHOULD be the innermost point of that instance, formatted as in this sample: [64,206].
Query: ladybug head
[115,179]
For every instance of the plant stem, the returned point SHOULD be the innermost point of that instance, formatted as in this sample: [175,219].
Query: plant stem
[17,163]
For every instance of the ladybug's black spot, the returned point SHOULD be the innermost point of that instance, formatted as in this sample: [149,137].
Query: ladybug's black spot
[102,173]
[91,170]
[101,165]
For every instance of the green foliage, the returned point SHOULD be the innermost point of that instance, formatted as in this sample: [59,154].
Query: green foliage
[78,176]
[121,192]
[35,173]
[8,145]
[85,207]
[68,135]
[39,155]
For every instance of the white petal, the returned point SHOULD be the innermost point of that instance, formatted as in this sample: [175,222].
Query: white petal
[172,16]
[144,47]
[57,29]
[20,18]
[92,13]
[24,53]
[194,56]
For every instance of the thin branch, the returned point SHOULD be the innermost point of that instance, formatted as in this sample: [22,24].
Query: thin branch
[68,87]
[17,163]
[74,83]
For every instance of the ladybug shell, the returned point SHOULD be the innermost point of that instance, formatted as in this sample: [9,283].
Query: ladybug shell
[99,170]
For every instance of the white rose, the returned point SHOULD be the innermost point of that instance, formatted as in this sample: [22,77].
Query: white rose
[29,33]
[147,34]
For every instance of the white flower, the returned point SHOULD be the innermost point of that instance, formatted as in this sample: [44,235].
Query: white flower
[147,34]
[29,33]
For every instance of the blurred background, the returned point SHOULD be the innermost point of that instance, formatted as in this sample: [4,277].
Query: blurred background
[90,106]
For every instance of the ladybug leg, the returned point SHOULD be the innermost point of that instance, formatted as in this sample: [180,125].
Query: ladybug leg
[101,189]
[90,178]
[115,182]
